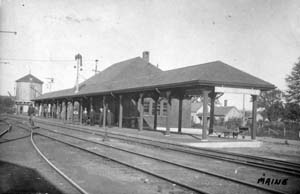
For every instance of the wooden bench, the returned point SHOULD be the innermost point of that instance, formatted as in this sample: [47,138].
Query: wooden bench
[243,130]
[227,132]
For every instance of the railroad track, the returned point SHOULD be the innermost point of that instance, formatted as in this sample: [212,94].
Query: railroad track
[29,130]
[193,188]
[148,143]
[255,161]
[9,127]
[79,188]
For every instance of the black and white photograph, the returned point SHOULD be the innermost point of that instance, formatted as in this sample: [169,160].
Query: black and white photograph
[149,96]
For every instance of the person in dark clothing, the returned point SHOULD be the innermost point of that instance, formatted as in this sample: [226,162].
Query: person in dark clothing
[31,114]
[84,116]
[101,117]
[92,117]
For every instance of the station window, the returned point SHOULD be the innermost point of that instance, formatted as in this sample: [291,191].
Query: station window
[164,108]
[146,107]
[157,110]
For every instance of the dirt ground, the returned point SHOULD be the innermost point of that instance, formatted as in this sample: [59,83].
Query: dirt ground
[20,154]
[94,174]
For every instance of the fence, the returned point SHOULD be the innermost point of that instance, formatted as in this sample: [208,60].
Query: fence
[285,130]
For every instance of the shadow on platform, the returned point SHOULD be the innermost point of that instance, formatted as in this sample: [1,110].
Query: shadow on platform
[19,179]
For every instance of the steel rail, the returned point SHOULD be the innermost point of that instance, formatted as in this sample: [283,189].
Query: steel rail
[126,164]
[169,162]
[10,140]
[80,189]
[272,167]
[169,143]
[181,148]
[6,130]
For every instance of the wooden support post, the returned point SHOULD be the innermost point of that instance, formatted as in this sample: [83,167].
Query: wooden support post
[71,110]
[168,96]
[155,115]
[91,103]
[155,98]
[212,111]
[141,106]
[120,111]
[80,110]
[42,110]
[205,113]
[66,114]
[39,109]
[61,109]
[180,113]
[50,110]
[104,112]
[254,113]
[57,110]
[105,138]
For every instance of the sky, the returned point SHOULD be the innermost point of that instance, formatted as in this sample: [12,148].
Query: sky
[260,37]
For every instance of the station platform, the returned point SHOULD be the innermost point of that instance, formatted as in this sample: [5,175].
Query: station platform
[188,137]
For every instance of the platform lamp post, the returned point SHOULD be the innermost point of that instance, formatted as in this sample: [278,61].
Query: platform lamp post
[78,58]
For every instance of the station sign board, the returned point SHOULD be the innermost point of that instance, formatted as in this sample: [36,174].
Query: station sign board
[237,90]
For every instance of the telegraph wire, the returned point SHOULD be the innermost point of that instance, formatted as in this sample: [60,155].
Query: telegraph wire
[42,60]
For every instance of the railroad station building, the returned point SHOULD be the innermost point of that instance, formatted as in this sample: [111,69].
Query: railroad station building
[140,95]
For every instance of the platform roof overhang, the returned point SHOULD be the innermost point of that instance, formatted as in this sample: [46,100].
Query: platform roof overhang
[137,75]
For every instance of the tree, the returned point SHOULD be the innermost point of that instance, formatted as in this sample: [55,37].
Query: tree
[6,104]
[293,81]
[271,104]
[292,112]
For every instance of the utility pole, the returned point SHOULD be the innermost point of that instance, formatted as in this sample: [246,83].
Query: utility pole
[78,58]
[96,67]
[244,112]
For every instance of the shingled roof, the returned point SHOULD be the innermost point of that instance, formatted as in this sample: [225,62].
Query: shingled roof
[137,74]
[29,78]
[223,110]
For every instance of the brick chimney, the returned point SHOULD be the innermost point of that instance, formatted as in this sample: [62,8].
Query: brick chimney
[146,56]
[225,103]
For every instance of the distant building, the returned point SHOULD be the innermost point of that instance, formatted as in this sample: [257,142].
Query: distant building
[221,113]
[225,113]
[27,88]
[248,116]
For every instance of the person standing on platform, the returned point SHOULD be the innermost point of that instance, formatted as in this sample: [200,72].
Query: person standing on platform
[45,111]
[84,116]
[31,114]
[92,117]
[101,117]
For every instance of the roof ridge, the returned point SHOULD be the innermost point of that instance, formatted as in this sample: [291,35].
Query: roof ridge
[194,65]
[23,79]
